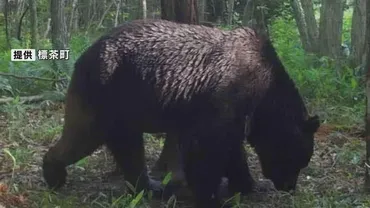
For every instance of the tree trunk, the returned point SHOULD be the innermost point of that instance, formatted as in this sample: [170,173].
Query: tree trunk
[183,11]
[248,13]
[59,35]
[6,19]
[101,6]
[118,8]
[48,26]
[367,173]
[142,11]
[216,9]
[358,31]
[84,11]
[186,11]
[230,11]
[300,20]
[168,10]
[144,8]
[76,19]
[58,24]
[93,10]
[254,16]
[202,10]
[74,15]
[33,20]
[105,13]
[19,30]
[311,24]
[2,6]
[331,22]
[20,11]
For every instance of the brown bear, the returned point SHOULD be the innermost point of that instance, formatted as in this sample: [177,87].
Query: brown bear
[197,83]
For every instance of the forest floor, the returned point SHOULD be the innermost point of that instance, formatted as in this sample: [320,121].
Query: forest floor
[334,177]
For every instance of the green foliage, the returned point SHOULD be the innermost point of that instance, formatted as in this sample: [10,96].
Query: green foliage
[52,200]
[350,153]
[347,23]
[271,10]
[10,86]
[137,199]
[167,178]
[329,93]
[235,201]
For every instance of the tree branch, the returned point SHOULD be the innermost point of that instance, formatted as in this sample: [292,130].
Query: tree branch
[53,96]
[19,32]
[26,99]
[31,77]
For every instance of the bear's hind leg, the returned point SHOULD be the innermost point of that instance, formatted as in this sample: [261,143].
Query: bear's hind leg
[170,161]
[204,162]
[127,147]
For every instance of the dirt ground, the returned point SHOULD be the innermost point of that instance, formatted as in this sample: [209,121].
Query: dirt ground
[334,177]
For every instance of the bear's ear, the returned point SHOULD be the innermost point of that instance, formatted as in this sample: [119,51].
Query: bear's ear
[312,124]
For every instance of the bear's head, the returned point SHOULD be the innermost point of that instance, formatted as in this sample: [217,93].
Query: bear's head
[286,151]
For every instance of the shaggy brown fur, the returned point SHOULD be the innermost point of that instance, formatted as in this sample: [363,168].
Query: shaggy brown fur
[196,83]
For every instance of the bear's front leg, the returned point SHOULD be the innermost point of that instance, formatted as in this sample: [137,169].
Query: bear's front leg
[237,171]
[80,138]
[68,150]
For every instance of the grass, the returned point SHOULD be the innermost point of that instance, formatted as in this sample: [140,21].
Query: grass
[334,177]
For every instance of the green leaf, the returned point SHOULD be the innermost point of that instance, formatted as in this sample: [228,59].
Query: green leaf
[172,201]
[137,199]
[167,179]
[81,162]
[237,199]
[130,186]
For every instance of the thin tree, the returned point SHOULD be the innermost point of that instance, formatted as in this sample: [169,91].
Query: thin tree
[300,20]
[144,8]
[33,20]
[58,24]
[101,7]
[6,15]
[168,10]
[84,11]
[202,4]
[358,33]
[183,11]
[230,11]
[118,8]
[73,20]
[254,16]
[311,24]
[19,30]
[367,121]
[59,34]
[216,10]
